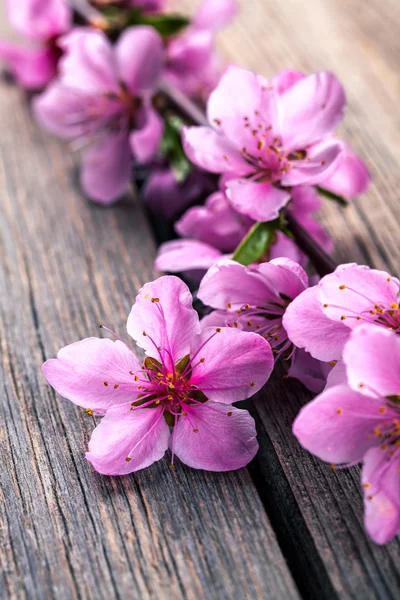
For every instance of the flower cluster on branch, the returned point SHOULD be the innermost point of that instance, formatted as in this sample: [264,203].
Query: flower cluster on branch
[238,164]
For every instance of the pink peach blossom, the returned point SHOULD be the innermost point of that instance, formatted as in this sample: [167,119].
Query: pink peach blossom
[102,101]
[179,398]
[270,137]
[360,421]
[321,319]
[41,23]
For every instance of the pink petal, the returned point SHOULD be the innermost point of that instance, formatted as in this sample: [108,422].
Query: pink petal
[60,111]
[179,256]
[32,69]
[163,309]
[38,20]
[337,376]
[350,179]
[242,107]
[190,53]
[312,171]
[141,72]
[381,481]
[284,276]
[213,152]
[146,140]
[308,327]
[216,223]
[150,6]
[216,318]
[338,426]
[305,201]
[80,370]
[353,290]
[230,283]
[311,372]
[312,109]
[106,169]
[286,79]
[214,15]
[260,201]
[284,246]
[141,435]
[236,364]
[372,356]
[221,442]
[88,64]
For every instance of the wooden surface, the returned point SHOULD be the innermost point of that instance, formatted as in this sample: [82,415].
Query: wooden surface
[286,527]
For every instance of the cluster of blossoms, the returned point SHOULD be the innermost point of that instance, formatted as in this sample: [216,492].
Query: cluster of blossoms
[101,68]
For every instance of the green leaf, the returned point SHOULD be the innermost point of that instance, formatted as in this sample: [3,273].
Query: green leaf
[256,243]
[182,364]
[152,364]
[331,196]
[167,25]
[171,147]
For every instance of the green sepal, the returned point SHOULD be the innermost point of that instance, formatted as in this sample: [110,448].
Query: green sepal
[394,399]
[331,196]
[171,147]
[199,396]
[182,364]
[167,25]
[257,243]
[152,364]
[169,419]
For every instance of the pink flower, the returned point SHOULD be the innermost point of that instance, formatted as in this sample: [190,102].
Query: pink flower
[321,319]
[102,100]
[360,421]
[268,137]
[41,23]
[149,6]
[180,398]
[193,65]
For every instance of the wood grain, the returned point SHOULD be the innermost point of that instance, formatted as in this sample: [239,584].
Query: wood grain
[65,531]
[66,265]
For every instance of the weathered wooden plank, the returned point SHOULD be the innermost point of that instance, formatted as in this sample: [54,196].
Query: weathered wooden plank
[65,531]
[318,513]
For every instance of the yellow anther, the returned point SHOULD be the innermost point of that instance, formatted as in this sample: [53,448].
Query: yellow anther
[250,323]
[229,305]
[370,497]
[360,385]
[171,466]
[326,305]
[239,312]
[367,485]
[252,384]
[383,447]
[343,318]
[339,411]
[202,360]
[382,410]
[184,413]
[358,318]
[218,330]
[128,459]
[285,377]
[157,402]
[333,467]
[388,279]
[155,300]
[116,385]
[144,333]
[195,431]
[89,412]
[136,378]
[106,383]
[235,324]
[170,397]
[394,305]
[230,414]
[333,363]
[342,287]
[247,306]
[261,145]
[217,121]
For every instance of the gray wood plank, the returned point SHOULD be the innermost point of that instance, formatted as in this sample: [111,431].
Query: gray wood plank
[65,531]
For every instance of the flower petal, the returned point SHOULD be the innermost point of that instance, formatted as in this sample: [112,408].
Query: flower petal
[381,481]
[311,372]
[236,364]
[308,327]
[141,435]
[179,256]
[286,79]
[243,108]
[221,442]
[164,311]
[353,290]
[260,201]
[214,15]
[313,170]
[213,152]
[285,276]
[38,20]
[140,57]
[81,371]
[230,284]
[146,140]
[338,426]
[106,168]
[88,64]
[372,356]
[312,109]
[32,69]
[350,179]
